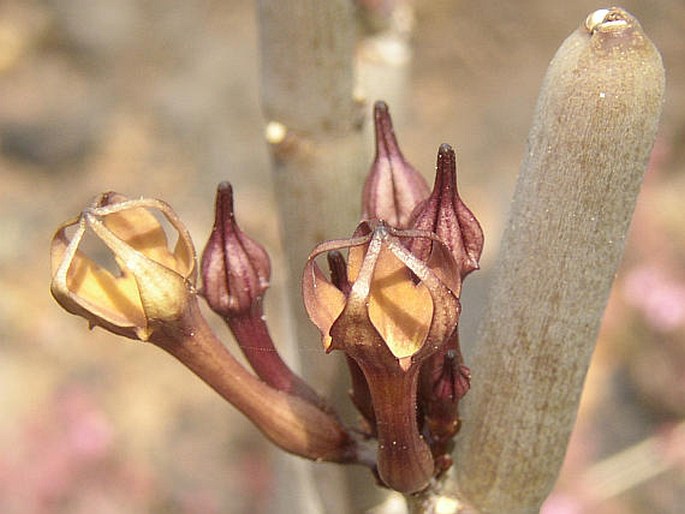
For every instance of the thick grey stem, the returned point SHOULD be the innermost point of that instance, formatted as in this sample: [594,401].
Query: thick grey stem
[307,52]
[314,131]
[313,126]
[593,130]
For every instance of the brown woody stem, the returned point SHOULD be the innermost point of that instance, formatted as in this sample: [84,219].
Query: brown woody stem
[252,335]
[288,421]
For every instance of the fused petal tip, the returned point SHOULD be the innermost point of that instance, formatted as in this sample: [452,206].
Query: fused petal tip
[445,214]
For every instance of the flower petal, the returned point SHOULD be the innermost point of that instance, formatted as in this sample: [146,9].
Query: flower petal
[400,310]
[323,301]
[85,289]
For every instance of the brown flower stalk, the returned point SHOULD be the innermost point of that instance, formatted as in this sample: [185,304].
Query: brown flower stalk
[290,422]
[153,298]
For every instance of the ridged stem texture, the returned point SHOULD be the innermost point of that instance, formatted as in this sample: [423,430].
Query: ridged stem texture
[594,126]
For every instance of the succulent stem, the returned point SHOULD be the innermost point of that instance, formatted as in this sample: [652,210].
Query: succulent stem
[593,130]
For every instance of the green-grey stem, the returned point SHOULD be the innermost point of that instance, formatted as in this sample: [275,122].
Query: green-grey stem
[593,130]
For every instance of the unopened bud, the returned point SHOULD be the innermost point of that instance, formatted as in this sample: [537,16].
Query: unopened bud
[154,282]
[393,187]
[235,269]
[445,214]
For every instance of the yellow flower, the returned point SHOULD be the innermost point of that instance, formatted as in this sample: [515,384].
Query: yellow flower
[153,282]
[389,311]
[387,294]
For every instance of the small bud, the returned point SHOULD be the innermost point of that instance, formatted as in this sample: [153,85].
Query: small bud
[446,380]
[154,283]
[393,187]
[445,214]
[454,381]
[235,269]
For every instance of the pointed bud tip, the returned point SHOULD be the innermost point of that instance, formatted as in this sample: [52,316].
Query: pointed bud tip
[225,187]
[224,208]
[393,187]
[447,160]
[380,108]
[445,171]
[445,148]
[386,142]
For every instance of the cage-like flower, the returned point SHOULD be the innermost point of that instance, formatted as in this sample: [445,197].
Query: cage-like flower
[153,282]
[389,311]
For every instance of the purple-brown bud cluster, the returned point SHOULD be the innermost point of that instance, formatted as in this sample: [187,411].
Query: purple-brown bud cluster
[393,308]
[390,302]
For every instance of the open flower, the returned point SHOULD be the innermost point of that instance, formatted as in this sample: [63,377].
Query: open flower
[404,301]
[153,282]
[389,311]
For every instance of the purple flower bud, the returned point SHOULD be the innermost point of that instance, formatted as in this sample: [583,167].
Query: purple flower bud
[235,269]
[393,187]
[445,214]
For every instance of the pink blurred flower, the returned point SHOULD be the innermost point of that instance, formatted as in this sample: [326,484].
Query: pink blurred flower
[64,457]
[560,503]
[658,297]
[87,432]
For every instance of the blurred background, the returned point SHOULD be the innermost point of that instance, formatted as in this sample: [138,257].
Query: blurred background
[161,98]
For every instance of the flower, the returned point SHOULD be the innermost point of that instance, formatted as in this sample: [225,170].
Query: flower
[403,300]
[444,377]
[389,311]
[235,272]
[393,309]
[153,282]
[445,214]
